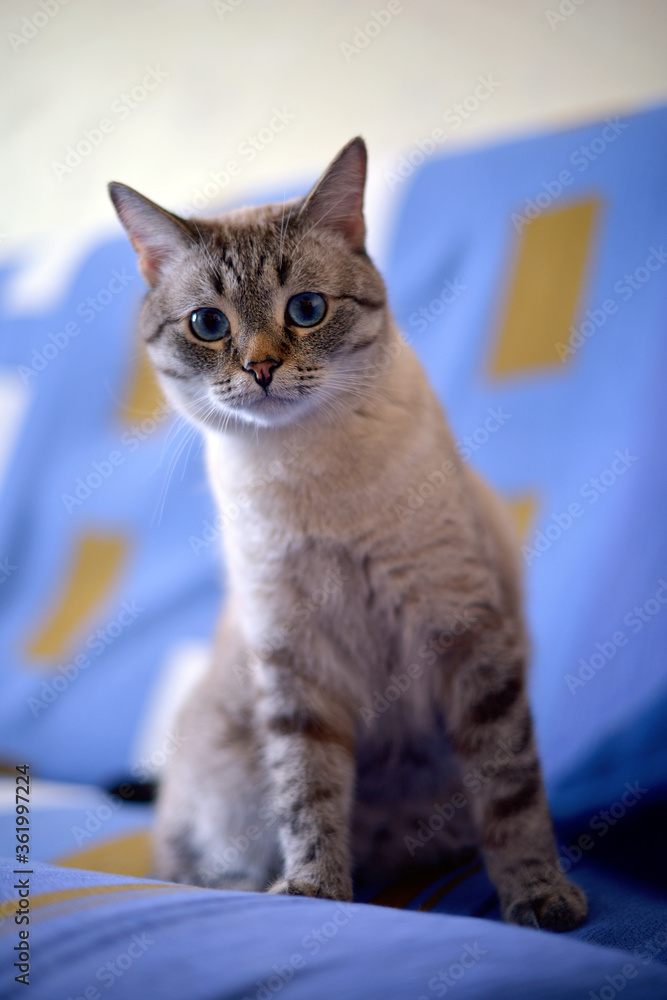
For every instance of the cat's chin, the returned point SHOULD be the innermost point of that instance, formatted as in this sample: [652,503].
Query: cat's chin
[266,411]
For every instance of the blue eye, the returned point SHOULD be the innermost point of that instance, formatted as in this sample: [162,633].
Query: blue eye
[209,324]
[306,309]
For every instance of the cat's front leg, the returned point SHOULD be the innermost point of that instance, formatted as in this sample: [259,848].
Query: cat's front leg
[491,728]
[309,755]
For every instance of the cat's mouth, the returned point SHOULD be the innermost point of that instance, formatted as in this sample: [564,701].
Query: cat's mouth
[268,402]
[265,408]
[269,397]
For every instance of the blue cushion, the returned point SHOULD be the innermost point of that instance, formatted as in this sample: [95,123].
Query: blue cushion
[91,932]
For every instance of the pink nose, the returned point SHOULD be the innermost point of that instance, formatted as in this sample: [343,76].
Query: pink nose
[262,370]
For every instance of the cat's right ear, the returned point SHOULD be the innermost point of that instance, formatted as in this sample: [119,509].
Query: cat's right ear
[156,235]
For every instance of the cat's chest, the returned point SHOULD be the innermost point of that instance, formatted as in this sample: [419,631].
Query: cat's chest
[288,511]
[354,602]
[321,489]
[306,553]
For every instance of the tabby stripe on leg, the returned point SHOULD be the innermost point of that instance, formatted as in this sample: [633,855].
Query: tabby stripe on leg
[496,703]
[524,798]
[310,727]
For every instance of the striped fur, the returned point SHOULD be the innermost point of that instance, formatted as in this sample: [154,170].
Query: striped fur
[366,708]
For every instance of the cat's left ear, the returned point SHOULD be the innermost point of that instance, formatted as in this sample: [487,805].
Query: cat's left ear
[336,202]
[156,235]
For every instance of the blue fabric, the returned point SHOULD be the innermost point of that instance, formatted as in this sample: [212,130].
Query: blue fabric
[623,913]
[87,732]
[174,942]
[626,910]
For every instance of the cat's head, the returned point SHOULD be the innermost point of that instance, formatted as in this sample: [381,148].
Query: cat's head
[262,314]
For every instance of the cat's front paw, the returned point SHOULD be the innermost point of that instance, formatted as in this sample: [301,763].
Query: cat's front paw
[560,907]
[317,890]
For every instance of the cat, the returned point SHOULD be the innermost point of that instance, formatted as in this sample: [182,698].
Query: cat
[366,707]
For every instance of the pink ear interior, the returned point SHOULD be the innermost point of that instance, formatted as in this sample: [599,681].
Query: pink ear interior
[156,235]
[336,201]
